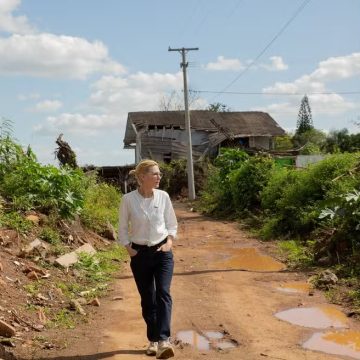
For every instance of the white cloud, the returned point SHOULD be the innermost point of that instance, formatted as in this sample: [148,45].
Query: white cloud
[276,64]
[89,124]
[334,68]
[137,92]
[322,101]
[49,55]
[114,97]
[10,23]
[47,106]
[223,64]
[26,97]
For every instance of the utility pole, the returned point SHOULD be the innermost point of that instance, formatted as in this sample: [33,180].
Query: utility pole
[190,166]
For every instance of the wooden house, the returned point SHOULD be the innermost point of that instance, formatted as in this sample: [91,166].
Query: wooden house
[161,135]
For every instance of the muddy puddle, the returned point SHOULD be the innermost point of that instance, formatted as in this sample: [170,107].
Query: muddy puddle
[295,287]
[319,317]
[250,259]
[346,343]
[209,339]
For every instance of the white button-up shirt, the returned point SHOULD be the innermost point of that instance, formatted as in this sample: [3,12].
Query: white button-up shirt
[146,221]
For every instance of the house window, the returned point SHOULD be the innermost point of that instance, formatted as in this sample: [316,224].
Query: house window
[167,158]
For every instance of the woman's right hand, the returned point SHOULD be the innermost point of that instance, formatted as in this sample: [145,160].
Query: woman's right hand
[132,252]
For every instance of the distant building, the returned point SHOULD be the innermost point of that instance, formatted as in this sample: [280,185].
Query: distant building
[161,135]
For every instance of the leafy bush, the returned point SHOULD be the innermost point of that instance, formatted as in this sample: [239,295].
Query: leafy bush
[296,197]
[175,177]
[296,253]
[31,185]
[14,220]
[247,182]
[217,197]
[344,219]
[101,204]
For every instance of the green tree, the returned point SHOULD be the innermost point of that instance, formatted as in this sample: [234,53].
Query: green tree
[304,121]
[218,107]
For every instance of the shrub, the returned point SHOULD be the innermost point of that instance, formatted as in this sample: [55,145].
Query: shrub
[217,197]
[296,197]
[175,177]
[31,185]
[101,204]
[247,182]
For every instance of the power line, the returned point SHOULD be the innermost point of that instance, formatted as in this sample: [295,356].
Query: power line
[276,94]
[297,12]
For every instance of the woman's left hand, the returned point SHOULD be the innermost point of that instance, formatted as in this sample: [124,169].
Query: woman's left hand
[166,247]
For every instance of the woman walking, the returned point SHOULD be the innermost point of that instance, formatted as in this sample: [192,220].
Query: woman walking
[147,228]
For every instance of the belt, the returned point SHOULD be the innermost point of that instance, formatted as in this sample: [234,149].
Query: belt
[145,247]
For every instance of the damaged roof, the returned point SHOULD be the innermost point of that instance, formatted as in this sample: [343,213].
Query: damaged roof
[247,123]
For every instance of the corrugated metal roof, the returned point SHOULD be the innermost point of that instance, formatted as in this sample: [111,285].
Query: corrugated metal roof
[250,123]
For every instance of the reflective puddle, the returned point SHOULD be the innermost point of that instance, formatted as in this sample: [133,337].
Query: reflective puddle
[295,287]
[250,259]
[320,317]
[346,343]
[211,339]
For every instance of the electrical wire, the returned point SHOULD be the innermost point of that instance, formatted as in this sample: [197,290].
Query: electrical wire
[276,94]
[284,27]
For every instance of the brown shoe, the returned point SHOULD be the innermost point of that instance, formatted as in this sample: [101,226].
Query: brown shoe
[152,348]
[165,350]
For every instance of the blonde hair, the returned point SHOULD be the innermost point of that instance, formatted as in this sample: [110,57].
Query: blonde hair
[142,168]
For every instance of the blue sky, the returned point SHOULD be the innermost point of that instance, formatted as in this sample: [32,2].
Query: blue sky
[78,67]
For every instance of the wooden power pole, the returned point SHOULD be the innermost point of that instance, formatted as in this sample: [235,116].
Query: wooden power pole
[190,166]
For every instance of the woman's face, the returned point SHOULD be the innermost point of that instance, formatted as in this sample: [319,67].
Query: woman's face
[151,179]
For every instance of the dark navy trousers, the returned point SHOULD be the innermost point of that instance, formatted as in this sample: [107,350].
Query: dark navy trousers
[153,272]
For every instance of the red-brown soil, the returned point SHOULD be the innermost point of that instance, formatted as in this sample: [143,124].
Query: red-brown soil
[212,291]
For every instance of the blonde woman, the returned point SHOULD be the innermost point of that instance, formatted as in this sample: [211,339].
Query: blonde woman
[147,228]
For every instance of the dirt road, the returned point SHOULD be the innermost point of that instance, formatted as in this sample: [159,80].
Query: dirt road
[211,293]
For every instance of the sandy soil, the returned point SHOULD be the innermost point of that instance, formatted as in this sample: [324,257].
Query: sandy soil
[211,292]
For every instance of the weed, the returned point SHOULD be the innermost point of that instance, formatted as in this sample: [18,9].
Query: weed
[99,267]
[62,319]
[50,235]
[297,254]
[14,220]
[101,205]
[33,288]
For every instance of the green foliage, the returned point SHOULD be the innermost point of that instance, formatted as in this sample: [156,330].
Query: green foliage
[304,122]
[98,268]
[311,137]
[14,220]
[53,237]
[31,185]
[293,199]
[101,205]
[175,178]
[342,141]
[296,253]
[50,235]
[64,318]
[218,107]
[217,194]
[284,142]
[247,182]
[310,149]
[344,218]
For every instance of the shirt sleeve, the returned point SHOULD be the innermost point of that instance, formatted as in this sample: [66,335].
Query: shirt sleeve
[170,217]
[124,223]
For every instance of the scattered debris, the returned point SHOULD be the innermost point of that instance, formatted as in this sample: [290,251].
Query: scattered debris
[74,305]
[6,329]
[36,247]
[324,280]
[94,302]
[72,258]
